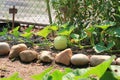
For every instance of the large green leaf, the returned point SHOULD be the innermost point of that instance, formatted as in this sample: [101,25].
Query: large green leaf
[89,31]
[83,35]
[75,36]
[27,35]
[66,31]
[43,76]
[29,29]
[15,32]
[57,75]
[97,71]
[44,32]
[115,32]
[100,47]
[53,27]
[76,72]
[47,77]
[105,25]
[64,25]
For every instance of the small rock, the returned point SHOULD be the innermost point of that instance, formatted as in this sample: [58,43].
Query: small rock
[97,59]
[16,49]
[4,48]
[79,59]
[118,61]
[45,56]
[28,55]
[64,57]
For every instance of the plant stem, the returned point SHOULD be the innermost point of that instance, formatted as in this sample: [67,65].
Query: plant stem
[113,51]
[92,41]
[102,36]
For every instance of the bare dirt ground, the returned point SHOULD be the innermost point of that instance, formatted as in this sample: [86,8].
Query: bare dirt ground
[25,70]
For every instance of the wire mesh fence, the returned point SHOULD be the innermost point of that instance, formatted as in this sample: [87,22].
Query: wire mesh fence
[29,11]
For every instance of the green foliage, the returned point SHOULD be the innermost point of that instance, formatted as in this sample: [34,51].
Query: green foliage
[66,30]
[75,37]
[53,27]
[89,31]
[44,32]
[85,12]
[47,30]
[114,32]
[100,47]
[29,29]
[48,75]
[4,32]
[27,33]
[92,21]
[42,75]
[76,72]
[15,76]
[15,32]
[57,75]
[106,24]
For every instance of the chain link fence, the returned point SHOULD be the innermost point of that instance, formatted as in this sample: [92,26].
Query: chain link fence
[29,11]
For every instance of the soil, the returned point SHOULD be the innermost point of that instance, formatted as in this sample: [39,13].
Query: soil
[25,70]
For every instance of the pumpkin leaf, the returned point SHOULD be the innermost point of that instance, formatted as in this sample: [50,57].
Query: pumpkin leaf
[100,47]
[105,25]
[54,28]
[44,32]
[42,76]
[29,29]
[76,72]
[89,31]
[27,35]
[66,31]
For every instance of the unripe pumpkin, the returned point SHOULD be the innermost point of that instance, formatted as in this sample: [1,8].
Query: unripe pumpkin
[60,42]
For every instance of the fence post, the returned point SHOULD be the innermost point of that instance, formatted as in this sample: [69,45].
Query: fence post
[49,11]
[49,14]
[13,11]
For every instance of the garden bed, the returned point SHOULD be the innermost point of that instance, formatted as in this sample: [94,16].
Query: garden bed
[25,70]
[36,66]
